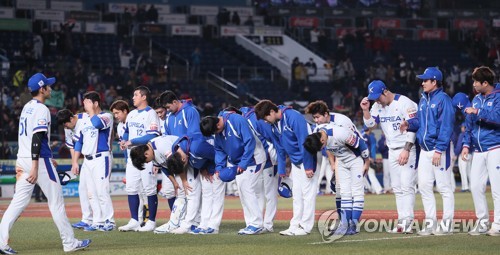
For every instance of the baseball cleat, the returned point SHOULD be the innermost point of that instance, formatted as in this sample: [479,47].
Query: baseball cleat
[93,228]
[132,225]
[300,232]
[287,232]
[108,226]
[250,230]
[7,250]
[148,227]
[425,232]
[180,231]
[493,232]
[209,231]
[80,225]
[480,228]
[341,229]
[81,245]
[352,230]
[164,229]
[267,230]
[196,231]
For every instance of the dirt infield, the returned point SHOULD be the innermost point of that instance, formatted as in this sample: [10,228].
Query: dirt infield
[122,212]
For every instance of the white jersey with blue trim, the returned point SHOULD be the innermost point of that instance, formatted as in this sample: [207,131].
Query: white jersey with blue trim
[70,135]
[390,118]
[35,117]
[142,122]
[120,130]
[162,147]
[342,141]
[96,139]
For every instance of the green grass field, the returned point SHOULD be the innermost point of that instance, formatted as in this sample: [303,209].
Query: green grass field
[40,236]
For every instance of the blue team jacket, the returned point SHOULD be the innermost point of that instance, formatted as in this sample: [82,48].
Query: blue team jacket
[201,153]
[483,129]
[186,120]
[435,120]
[292,131]
[249,114]
[236,143]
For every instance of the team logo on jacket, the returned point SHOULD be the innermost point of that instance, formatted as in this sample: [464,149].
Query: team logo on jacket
[433,105]
[489,104]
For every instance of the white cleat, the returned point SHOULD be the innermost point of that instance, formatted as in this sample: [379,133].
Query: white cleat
[165,228]
[425,232]
[180,231]
[300,232]
[480,228]
[493,232]
[287,232]
[148,227]
[132,225]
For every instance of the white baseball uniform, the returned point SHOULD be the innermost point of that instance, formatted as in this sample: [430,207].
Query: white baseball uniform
[94,137]
[403,178]
[35,117]
[70,139]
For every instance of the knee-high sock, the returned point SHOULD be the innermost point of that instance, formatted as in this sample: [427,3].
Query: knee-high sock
[153,206]
[133,205]
[171,202]
[357,210]
[346,211]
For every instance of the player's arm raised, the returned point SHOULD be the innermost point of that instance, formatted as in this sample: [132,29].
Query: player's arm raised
[368,119]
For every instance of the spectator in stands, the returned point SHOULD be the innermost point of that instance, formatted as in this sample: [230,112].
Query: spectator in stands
[66,37]
[249,22]
[141,15]
[56,97]
[195,63]
[28,54]
[322,41]
[126,16]
[37,46]
[312,69]
[125,57]
[314,35]
[223,17]
[152,14]
[236,19]
[336,98]
[18,80]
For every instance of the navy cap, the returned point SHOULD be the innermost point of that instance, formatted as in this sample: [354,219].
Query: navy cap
[431,73]
[39,80]
[228,174]
[375,89]
[460,101]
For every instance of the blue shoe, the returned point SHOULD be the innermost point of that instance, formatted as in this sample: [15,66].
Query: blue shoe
[250,230]
[352,230]
[108,226]
[80,225]
[93,228]
[209,231]
[341,229]
[81,245]
[7,250]
[196,231]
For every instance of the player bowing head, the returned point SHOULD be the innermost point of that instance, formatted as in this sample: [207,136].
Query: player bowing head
[210,125]
[315,142]
[66,118]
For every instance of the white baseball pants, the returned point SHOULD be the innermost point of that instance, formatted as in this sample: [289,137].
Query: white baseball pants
[304,192]
[465,170]
[403,180]
[212,203]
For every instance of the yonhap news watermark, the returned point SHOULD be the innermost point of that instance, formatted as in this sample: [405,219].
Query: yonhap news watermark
[329,222]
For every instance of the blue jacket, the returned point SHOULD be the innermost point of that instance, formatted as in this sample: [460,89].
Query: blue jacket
[186,121]
[434,122]
[371,143]
[249,114]
[382,148]
[483,129]
[235,144]
[459,144]
[201,153]
[292,131]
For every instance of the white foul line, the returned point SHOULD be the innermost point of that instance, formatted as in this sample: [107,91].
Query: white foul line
[373,239]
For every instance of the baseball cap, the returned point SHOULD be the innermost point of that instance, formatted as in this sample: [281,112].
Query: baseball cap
[228,174]
[460,101]
[431,73]
[285,187]
[375,89]
[39,80]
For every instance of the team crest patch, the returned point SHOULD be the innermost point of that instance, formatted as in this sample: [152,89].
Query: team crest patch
[433,105]
[42,122]
[105,119]
[351,140]
[412,112]
[153,126]
[489,104]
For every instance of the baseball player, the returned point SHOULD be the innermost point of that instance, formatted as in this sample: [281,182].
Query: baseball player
[322,115]
[461,102]
[34,165]
[292,129]
[384,151]
[94,143]
[120,110]
[71,123]
[389,110]
[141,126]
[483,125]
[351,155]
[236,145]
[268,180]
[187,118]
[199,155]
[371,182]
[168,183]
[434,122]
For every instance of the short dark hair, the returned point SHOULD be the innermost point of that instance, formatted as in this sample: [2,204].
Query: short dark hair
[157,103]
[64,116]
[144,92]
[208,125]
[318,106]
[313,143]
[137,156]
[264,107]
[484,74]
[167,97]
[175,164]
[93,96]
[120,105]
[233,109]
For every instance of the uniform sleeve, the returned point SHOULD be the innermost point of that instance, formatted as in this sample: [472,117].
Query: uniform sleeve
[220,155]
[79,142]
[350,139]
[152,124]
[410,113]
[125,129]
[102,121]
[446,118]
[248,141]
[42,120]
[192,121]
[267,131]
[302,130]
[68,138]
[467,139]
[458,145]
[373,117]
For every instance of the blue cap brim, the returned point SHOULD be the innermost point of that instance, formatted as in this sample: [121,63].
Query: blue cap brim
[423,77]
[374,96]
[51,81]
